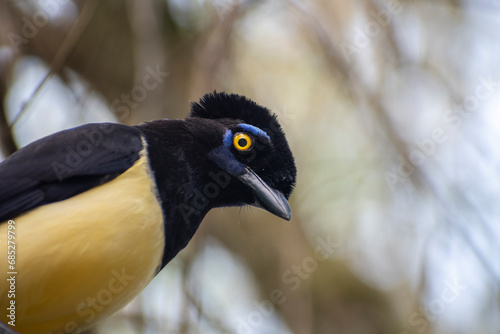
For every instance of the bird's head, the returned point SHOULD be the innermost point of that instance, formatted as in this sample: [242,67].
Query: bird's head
[246,153]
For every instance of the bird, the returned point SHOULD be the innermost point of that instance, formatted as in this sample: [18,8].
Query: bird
[97,211]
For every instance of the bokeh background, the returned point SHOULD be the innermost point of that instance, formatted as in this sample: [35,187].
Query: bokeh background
[390,107]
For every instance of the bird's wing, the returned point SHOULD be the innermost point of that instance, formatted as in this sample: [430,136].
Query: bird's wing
[65,164]
[4,329]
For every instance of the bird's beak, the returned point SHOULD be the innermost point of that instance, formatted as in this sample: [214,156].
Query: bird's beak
[272,200]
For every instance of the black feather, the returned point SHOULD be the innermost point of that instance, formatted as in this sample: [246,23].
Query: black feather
[65,164]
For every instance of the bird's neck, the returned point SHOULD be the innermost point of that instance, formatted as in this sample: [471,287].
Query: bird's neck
[181,222]
[179,187]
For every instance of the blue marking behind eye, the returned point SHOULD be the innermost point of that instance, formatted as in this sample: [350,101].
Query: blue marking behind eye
[228,138]
[254,130]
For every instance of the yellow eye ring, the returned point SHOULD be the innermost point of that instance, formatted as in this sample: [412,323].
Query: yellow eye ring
[242,141]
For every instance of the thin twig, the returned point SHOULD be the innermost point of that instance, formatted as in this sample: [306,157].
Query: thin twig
[7,144]
[61,56]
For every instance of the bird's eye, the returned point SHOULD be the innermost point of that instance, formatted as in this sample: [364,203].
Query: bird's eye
[242,141]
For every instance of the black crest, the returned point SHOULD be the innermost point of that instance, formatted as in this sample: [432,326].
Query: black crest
[222,105]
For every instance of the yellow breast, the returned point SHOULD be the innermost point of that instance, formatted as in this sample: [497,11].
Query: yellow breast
[82,259]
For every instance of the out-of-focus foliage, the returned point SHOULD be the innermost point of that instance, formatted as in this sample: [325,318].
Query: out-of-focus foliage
[391,108]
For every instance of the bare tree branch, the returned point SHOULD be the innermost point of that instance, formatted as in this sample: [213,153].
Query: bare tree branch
[63,52]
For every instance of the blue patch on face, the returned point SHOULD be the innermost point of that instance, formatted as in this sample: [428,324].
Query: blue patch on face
[224,159]
[228,138]
[254,130]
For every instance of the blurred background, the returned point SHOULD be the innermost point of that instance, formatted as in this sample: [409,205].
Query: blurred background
[390,107]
